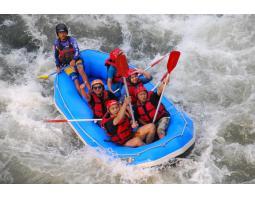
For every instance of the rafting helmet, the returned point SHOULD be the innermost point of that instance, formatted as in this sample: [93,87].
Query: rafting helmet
[97,81]
[131,72]
[111,103]
[61,28]
[115,53]
[140,89]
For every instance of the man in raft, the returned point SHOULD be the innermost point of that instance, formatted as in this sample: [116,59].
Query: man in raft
[145,108]
[119,126]
[97,98]
[67,52]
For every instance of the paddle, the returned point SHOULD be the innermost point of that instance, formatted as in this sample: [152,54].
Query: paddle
[156,62]
[70,120]
[122,67]
[51,74]
[171,64]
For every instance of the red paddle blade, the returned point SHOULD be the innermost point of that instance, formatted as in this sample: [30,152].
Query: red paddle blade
[172,61]
[122,65]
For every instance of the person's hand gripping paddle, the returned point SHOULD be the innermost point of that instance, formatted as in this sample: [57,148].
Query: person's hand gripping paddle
[171,64]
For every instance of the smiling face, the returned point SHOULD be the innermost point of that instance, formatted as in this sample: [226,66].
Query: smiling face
[97,89]
[114,109]
[142,96]
[62,36]
[134,78]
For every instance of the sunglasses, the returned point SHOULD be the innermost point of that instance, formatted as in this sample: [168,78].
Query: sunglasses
[97,87]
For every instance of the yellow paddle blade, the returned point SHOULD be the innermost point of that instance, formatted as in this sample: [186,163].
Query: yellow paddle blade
[43,77]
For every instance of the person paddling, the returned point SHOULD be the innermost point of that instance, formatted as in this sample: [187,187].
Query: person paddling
[66,52]
[134,81]
[97,98]
[145,108]
[114,79]
[119,127]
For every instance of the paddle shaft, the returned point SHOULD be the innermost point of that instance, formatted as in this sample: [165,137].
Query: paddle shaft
[53,73]
[130,106]
[159,102]
[70,120]
[157,84]
[156,62]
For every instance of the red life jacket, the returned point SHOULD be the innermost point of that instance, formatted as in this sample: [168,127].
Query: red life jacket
[147,111]
[65,53]
[132,89]
[99,107]
[123,132]
[117,78]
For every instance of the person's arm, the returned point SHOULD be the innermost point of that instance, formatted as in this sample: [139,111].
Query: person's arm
[57,62]
[109,84]
[122,112]
[76,48]
[86,95]
[110,74]
[161,86]
[76,51]
[147,76]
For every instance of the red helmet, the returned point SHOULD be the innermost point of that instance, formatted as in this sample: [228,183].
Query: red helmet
[115,53]
[110,103]
[130,72]
[140,89]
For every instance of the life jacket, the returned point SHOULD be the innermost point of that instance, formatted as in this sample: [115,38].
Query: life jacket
[99,107]
[147,110]
[123,132]
[132,89]
[65,53]
[117,78]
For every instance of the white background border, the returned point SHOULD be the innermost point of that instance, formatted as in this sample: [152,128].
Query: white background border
[130,192]
[128,6]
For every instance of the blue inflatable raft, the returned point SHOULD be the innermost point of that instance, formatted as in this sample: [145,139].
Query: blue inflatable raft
[180,133]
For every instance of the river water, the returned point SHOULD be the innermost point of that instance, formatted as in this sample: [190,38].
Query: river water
[214,82]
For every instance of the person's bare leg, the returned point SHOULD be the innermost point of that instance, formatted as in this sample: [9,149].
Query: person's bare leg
[82,73]
[147,132]
[82,90]
[77,85]
[150,134]
[134,142]
[162,126]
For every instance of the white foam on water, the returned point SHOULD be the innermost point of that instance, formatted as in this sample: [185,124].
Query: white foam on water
[213,82]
